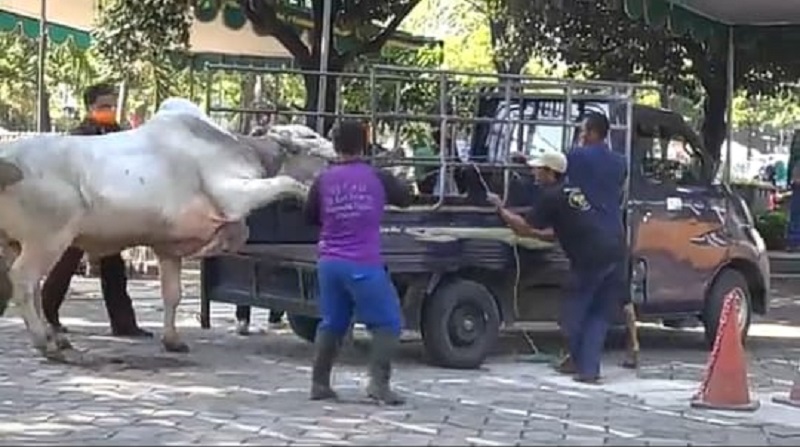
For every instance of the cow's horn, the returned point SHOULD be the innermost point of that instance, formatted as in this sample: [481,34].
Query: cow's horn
[9,174]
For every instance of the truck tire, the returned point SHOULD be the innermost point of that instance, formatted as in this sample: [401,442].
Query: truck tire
[460,324]
[727,281]
[303,326]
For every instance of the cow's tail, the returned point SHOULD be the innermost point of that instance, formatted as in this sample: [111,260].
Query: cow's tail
[9,174]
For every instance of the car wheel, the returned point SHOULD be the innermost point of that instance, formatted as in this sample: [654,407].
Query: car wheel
[727,281]
[303,326]
[460,324]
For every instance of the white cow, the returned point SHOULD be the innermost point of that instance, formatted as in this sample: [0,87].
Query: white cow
[179,184]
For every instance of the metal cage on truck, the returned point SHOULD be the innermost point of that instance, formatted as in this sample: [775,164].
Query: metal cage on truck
[460,272]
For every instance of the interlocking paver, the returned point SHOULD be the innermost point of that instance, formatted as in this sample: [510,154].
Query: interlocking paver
[233,390]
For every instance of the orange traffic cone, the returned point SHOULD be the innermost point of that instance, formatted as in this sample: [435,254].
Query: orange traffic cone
[725,384]
[794,395]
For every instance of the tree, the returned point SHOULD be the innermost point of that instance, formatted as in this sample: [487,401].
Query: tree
[68,69]
[137,37]
[601,41]
[514,29]
[354,18]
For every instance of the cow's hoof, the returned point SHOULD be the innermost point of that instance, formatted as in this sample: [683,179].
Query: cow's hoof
[62,342]
[175,346]
[69,357]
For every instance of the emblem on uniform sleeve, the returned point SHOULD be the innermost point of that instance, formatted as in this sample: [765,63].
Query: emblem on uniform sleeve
[577,200]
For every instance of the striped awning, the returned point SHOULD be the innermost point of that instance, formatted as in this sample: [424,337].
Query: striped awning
[57,33]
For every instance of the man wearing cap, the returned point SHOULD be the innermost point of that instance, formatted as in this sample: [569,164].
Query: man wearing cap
[595,253]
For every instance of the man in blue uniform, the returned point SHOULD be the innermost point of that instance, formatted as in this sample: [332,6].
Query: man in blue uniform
[347,202]
[595,253]
[600,173]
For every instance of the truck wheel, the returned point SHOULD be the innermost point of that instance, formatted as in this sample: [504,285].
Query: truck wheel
[727,281]
[304,327]
[460,324]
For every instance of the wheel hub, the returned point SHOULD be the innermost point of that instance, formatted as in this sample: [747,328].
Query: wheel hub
[467,324]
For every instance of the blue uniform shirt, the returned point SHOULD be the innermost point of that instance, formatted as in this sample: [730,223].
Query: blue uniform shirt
[600,173]
[577,227]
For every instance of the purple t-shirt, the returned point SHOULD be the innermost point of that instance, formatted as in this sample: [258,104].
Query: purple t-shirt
[347,201]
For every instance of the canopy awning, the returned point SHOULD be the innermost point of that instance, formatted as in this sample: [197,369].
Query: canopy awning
[706,18]
[746,12]
[740,21]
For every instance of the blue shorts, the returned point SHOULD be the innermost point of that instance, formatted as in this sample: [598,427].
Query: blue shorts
[349,289]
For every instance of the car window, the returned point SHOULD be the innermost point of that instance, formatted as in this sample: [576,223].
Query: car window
[671,159]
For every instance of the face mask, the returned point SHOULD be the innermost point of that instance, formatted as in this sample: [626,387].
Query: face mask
[104,117]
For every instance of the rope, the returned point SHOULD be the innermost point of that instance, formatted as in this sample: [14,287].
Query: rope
[535,351]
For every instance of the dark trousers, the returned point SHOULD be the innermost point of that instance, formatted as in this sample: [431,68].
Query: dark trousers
[113,282]
[243,314]
[348,289]
[592,301]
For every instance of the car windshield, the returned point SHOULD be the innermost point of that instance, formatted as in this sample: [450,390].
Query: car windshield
[532,140]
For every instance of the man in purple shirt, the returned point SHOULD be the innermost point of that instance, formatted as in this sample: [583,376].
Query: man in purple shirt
[347,202]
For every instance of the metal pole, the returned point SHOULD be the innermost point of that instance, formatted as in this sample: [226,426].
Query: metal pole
[729,118]
[41,95]
[324,55]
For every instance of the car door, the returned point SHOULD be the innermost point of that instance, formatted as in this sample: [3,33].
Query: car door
[677,225]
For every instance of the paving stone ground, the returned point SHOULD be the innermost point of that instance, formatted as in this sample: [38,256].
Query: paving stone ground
[233,390]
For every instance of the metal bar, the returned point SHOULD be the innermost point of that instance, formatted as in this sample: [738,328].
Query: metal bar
[451,162]
[507,76]
[442,140]
[209,85]
[373,107]
[410,117]
[191,74]
[396,124]
[628,159]
[504,158]
[565,140]
[731,73]
[41,88]
[324,55]
[549,82]
[339,100]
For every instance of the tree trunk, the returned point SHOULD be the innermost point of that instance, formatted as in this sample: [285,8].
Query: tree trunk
[505,59]
[122,103]
[47,121]
[713,128]
[311,83]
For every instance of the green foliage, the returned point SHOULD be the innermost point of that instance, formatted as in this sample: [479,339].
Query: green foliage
[354,18]
[514,29]
[142,34]
[129,31]
[772,227]
[597,39]
[775,112]
[68,70]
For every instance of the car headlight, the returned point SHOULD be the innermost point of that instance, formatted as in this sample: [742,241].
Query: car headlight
[758,240]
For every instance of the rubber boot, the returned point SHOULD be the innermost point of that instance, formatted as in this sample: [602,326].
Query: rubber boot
[326,346]
[384,344]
